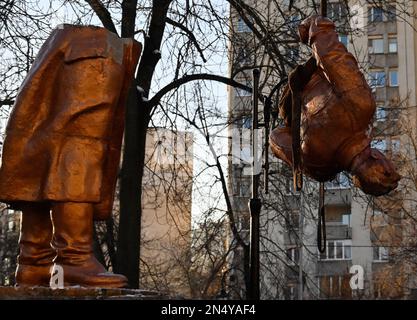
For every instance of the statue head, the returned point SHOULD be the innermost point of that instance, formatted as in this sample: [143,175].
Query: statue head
[374,173]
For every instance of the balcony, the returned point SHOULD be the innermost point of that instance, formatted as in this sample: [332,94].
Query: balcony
[383,60]
[335,267]
[338,196]
[377,28]
[291,271]
[291,237]
[338,231]
[385,93]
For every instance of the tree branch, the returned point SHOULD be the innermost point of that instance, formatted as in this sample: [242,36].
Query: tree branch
[193,77]
[6,102]
[103,14]
[151,49]
[190,35]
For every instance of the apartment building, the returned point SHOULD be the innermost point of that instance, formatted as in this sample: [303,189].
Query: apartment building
[372,234]
[166,212]
[9,224]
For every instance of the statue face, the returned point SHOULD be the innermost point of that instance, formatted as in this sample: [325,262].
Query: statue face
[376,175]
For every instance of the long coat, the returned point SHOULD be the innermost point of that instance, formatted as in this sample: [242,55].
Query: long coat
[63,139]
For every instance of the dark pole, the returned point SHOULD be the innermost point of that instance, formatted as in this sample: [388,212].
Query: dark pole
[254,202]
[267,119]
[323,8]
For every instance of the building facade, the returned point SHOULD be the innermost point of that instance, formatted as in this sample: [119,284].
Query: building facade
[166,212]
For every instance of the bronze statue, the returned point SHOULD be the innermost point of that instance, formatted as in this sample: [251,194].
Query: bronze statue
[337,111]
[62,150]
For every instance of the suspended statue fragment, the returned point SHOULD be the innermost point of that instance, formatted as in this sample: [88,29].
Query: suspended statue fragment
[337,109]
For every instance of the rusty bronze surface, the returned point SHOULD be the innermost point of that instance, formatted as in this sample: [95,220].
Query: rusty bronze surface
[337,113]
[62,150]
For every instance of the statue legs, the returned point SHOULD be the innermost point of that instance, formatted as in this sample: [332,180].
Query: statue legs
[36,254]
[66,240]
[73,242]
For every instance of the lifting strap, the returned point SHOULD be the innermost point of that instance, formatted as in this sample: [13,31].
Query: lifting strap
[296,81]
[321,228]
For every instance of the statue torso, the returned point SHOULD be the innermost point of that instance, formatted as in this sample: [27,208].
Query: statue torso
[329,123]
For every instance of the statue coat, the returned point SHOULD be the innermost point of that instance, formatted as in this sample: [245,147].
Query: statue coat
[63,139]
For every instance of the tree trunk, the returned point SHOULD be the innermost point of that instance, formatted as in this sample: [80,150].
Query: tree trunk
[128,244]
[98,251]
[246,268]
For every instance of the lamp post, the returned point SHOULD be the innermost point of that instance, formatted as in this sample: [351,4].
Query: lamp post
[254,203]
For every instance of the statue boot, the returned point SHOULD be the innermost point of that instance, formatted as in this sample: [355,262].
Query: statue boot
[73,241]
[36,254]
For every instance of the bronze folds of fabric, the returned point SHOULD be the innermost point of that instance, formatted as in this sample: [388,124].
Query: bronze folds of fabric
[63,139]
[337,108]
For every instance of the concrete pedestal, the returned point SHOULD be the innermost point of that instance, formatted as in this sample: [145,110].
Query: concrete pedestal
[77,293]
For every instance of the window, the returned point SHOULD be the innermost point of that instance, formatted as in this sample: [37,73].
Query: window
[247,122]
[337,250]
[243,56]
[375,14]
[293,22]
[337,11]
[395,145]
[392,45]
[346,219]
[290,292]
[341,181]
[391,13]
[376,45]
[377,79]
[292,256]
[245,188]
[289,185]
[293,54]
[242,26]
[381,145]
[393,78]
[335,286]
[7,263]
[343,38]
[242,92]
[381,114]
[380,253]
[11,225]
[292,219]
[377,212]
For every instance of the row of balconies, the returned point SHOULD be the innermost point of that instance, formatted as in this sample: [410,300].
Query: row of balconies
[389,27]
[333,232]
[383,60]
